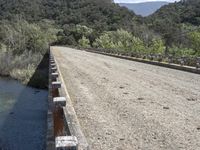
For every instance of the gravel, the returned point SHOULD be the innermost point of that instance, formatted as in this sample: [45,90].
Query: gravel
[123,104]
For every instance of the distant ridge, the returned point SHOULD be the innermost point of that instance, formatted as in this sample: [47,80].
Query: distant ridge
[144,9]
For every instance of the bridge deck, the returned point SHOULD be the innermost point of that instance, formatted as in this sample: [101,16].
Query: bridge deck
[123,104]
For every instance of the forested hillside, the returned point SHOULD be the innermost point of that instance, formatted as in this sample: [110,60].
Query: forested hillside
[178,23]
[28,27]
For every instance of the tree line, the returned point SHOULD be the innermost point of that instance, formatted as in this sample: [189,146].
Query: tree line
[28,27]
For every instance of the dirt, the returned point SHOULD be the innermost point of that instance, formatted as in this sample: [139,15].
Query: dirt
[123,104]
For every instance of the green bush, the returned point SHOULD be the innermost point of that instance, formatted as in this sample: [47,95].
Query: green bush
[84,42]
[181,51]
[156,47]
[195,42]
[120,40]
[23,46]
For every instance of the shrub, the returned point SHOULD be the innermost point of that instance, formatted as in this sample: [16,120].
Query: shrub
[120,40]
[156,47]
[84,42]
[23,46]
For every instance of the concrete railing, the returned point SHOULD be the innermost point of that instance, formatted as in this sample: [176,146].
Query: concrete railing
[63,131]
[168,64]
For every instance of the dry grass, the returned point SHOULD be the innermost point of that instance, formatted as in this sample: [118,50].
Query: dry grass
[20,67]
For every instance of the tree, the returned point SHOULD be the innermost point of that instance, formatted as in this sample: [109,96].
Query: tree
[84,42]
[157,47]
[120,40]
[104,41]
[195,41]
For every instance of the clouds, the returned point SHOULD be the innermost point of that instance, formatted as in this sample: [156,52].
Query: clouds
[139,1]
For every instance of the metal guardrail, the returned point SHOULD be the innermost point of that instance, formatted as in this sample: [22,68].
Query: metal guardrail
[63,131]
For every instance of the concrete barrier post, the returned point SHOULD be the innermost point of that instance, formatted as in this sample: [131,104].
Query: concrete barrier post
[53,65]
[66,143]
[59,101]
[54,75]
[181,60]
[53,70]
[169,59]
[159,57]
[198,63]
[56,84]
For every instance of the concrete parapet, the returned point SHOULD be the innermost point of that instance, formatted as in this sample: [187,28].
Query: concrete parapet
[152,62]
[64,131]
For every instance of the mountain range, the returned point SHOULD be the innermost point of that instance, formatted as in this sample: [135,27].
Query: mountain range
[144,9]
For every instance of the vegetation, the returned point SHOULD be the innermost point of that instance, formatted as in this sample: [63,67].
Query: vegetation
[27,28]
[23,46]
[178,24]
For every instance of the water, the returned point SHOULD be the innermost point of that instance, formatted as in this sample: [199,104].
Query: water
[22,116]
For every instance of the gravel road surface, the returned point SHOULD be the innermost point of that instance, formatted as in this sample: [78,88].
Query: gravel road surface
[126,105]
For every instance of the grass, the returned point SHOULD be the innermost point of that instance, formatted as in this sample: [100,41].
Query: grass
[24,68]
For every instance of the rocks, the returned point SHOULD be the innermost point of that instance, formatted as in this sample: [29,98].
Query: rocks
[192,99]
[121,87]
[140,98]
[125,93]
[165,107]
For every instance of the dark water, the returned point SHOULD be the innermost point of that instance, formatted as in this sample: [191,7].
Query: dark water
[22,116]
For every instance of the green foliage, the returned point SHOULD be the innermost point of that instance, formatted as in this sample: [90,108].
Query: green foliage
[83,30]
[84,42]
[120,40]
[71,34]
[22,36]
[104,41]
[156,47]
[195,41]
[22,46]
[181,51]
[173,20]
[27,28]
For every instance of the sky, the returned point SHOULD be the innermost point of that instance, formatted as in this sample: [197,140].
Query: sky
[140,1]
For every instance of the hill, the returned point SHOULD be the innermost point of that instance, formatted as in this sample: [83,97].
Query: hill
[144,9]
[28,27]
[175,21]
[89,12]
[185,11]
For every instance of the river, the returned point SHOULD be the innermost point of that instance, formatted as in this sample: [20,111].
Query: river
[22,116]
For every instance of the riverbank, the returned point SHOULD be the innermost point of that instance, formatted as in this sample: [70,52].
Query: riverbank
[29,69]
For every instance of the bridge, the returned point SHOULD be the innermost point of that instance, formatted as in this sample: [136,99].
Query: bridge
[101,102]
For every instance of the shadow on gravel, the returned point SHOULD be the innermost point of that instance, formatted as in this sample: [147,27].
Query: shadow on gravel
[23,111]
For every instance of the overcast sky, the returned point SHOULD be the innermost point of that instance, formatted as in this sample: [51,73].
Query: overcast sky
[139,1]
